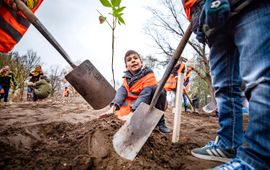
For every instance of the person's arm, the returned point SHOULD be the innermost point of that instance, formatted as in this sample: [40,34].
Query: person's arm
[119,98]
[117,102]
[144,96]
[38,83]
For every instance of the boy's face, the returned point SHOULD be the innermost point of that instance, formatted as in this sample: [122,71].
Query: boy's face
[133,63]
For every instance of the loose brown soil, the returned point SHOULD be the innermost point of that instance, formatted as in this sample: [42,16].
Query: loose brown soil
[67,134]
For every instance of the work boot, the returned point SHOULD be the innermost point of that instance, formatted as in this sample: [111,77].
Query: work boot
[162,126]
[164,129]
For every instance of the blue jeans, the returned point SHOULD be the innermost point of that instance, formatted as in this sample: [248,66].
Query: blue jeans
[185,102]
[241,52]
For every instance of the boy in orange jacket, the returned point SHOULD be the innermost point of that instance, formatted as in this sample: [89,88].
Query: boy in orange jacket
[139,84]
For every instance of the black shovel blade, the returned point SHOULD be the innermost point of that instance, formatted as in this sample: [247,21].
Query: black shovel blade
[130,138]
[91,85]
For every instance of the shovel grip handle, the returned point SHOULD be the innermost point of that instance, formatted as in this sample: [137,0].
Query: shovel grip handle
[172,63]
[42,29]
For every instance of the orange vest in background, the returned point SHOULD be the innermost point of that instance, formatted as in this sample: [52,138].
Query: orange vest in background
[134,92]
[186,86]
[171,83]
[13,25]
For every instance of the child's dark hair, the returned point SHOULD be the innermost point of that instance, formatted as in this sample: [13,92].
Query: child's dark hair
[129,52]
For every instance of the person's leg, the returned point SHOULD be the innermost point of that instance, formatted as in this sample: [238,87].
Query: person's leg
[185,102]
[35,98]
[161,105]
[252,38]
[224,64]
[6,89]
[29,94]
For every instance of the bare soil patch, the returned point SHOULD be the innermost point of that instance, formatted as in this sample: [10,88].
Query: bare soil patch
[68,134]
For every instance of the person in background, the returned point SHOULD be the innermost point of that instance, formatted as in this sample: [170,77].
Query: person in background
[139,84]
[34,77]
[237,32]
[171,83]
[195,101]
[66,92]
[41,89]
[6,78]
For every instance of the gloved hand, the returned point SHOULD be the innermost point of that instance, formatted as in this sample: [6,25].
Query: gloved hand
[216,13]
[29,3]
[32,3]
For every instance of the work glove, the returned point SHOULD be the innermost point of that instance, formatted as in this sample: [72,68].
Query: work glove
[31,4]
[215,13]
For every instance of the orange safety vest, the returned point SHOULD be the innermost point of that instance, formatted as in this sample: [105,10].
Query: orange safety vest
[134,92]
[13,25]
[171,83]
[187,6]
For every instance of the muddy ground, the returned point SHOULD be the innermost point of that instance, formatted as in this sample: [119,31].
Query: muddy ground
[67,134]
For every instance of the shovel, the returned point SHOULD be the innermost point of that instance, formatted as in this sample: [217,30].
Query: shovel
[130,138]
[210,107]
[85,78]
[178,108]
[189,100]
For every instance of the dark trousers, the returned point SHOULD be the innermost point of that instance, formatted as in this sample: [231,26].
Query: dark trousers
[5,95]
[161,104]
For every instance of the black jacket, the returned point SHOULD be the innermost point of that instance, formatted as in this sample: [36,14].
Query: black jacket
[5,80]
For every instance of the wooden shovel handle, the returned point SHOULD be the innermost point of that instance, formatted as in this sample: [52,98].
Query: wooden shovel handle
[42,29]
[171,65]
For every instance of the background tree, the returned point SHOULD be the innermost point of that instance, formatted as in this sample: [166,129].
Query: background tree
[56,77]
[166,28]
[20,66]
[150,61]
[116,13]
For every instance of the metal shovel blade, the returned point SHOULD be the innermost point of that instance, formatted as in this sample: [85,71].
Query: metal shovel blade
[130,138]
[210,107]
[85,78]
[91,85]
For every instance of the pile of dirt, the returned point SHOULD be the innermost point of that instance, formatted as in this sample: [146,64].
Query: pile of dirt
[57,136]
[62,145]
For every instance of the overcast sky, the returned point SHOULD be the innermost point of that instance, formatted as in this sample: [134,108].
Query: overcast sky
[75,25]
